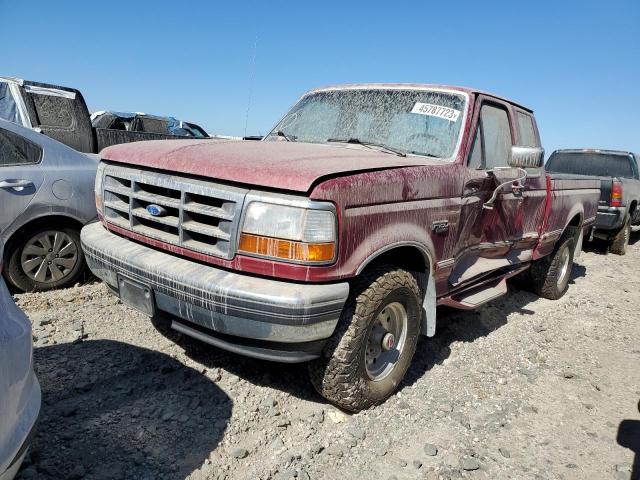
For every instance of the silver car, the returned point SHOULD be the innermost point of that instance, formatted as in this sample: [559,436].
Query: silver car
[46,195]
[19,388]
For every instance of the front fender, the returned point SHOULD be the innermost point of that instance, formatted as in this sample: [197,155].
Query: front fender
[392,237]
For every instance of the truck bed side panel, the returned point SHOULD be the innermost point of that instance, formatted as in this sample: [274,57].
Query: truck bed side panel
[107,137]
[572,197]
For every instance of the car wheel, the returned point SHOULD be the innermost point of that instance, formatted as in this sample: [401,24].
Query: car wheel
[48,258]
[367,357]
[620,242]
[550,275]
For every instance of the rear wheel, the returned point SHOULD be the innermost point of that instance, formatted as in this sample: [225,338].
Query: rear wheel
[620,242]
[44,259]
[550,275]
[368,355]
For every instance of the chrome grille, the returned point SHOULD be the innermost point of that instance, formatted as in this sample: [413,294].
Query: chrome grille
[198,215]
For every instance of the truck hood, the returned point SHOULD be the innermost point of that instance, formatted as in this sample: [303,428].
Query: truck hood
[284,165]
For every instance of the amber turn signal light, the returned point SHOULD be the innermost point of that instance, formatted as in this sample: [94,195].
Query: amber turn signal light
[286,249]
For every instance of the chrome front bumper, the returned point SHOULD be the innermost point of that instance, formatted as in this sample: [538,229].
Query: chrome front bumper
[219,306]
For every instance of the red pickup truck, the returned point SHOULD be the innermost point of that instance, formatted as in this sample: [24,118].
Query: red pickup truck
[334,238]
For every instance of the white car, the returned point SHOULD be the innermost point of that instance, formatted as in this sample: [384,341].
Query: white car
[19,388]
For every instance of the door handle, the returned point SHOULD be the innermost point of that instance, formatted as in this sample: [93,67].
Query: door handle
[517,188]
[18,184]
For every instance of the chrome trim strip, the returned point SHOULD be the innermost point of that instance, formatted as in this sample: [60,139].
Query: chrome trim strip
[52,92]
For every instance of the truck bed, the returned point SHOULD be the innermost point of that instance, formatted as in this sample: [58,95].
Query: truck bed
[106,137]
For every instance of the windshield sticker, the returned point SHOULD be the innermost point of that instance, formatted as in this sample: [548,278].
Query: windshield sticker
[436,111]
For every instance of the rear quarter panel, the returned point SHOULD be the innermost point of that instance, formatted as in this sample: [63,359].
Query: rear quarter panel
[571,196]
[67,188]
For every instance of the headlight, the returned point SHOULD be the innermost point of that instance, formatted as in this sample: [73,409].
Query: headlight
[292,233]
[98,186]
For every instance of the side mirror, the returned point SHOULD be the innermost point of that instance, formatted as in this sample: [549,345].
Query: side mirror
[526,157]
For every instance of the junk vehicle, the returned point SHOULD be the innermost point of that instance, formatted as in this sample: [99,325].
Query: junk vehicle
[334,238]
[619,180]
[62,114]
[20,395]
[46,194]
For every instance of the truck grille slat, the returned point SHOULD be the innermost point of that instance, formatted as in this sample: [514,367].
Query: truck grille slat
[158,199]
[117,206]
[205,230]
[206,210]
[194,214]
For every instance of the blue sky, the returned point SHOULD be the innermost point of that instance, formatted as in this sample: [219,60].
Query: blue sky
[576,63]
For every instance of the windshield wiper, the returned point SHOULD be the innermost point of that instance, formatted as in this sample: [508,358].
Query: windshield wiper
[424,154]
[357,141]
[288,138]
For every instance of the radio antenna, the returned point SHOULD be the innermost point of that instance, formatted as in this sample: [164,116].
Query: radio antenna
[252,74]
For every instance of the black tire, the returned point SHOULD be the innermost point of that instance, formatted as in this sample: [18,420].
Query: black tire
[619,243]
[18,278]
[341,374]
[550,275]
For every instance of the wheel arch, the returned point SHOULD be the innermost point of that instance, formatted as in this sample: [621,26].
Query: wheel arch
[576,221]
[416,258]
[56,219]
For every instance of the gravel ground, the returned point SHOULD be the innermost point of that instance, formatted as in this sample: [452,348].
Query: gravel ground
[524,388]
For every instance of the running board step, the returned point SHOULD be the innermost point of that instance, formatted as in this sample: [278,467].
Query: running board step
[473,298]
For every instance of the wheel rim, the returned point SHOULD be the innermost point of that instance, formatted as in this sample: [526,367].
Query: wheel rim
[564,269]
[49,256]
[385,341]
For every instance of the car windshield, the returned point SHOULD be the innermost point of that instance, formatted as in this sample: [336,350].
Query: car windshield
[419,122]
[591,163]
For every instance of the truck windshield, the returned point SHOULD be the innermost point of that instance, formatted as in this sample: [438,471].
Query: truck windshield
[418,122]
[591,163]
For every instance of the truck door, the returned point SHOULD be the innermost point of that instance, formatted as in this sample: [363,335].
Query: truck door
[60,113]
[487,236]
[20,175]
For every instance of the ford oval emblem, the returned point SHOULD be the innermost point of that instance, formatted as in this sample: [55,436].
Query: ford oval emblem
[156,210]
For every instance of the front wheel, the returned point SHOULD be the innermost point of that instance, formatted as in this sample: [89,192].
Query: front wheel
[367,357]
[47,258]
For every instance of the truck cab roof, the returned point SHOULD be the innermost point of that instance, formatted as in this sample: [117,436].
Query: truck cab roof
[595,150]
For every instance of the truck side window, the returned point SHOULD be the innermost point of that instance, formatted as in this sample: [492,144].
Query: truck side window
[16,150]
[527,133]
[53,111]
[497,136]
[475,160]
